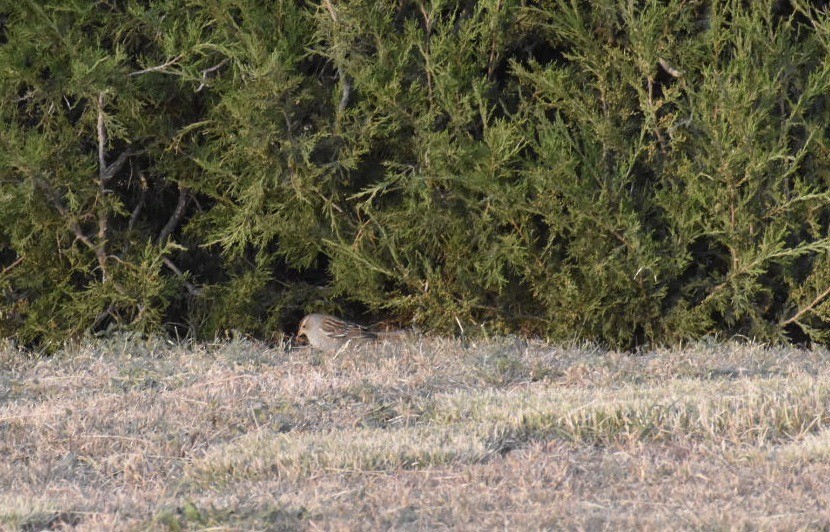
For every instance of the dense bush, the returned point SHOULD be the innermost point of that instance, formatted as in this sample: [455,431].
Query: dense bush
[615,170]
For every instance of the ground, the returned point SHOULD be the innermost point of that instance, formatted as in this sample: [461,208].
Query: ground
[432,433]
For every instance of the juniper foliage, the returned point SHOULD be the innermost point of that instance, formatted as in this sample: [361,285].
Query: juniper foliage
[616,170]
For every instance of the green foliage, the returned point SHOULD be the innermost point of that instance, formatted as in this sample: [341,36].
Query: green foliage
[619,171]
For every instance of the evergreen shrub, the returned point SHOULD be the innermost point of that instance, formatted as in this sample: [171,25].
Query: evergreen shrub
[620,171]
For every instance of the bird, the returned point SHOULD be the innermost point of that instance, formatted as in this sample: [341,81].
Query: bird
[328,333]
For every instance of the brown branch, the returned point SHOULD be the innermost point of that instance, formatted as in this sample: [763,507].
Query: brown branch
[494,54]
[112,169]
[426,51]
[102,139]
[157,68]
[176,217]
[11,266]
[137,209]
[652,110]
[103,219]
[671,71]
[192,289]
[214,68]
[136,212]
[53,197]
[210,70]
[806,309]
[131,223]
[101,317]
[167,230]
[347,90]
[331,10]
[344,78]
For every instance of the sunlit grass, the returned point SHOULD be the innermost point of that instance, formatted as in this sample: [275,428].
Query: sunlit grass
[145,434]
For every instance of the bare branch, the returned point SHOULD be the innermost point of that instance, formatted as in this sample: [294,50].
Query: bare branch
[347,89]
[28,95]
[190,287]
[79,235]
[175,217]
[136,212]
[158,68]
[167,230]
[107,171]
[103,219]
[102,138]
[344,78]
[210,70]
[113,168]
[806,309]
[494,53]
[426,49]
[101,317]
[215,67]
[670,70]
[54,198]
[332,12]
[11,266]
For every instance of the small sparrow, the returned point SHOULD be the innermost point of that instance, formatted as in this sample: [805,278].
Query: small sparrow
[328,333]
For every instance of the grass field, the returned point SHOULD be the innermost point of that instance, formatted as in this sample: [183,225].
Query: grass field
[498,434]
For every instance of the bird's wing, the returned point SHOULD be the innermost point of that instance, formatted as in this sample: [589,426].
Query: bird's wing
[344,329]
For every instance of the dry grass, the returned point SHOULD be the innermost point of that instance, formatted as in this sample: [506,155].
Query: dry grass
[433,434]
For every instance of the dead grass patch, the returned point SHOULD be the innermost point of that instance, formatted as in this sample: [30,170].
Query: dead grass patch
[136,434]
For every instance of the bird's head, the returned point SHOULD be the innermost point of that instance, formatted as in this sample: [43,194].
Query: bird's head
[303,329]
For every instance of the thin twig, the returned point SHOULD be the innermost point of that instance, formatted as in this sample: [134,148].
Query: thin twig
[427,49]
[341,73]
[157,68]
[651,108]
[168,228]
[74,226]
[175,217]
[347,89]
[670,70]
[53,197]
[332,12]
[103,219]
[190,287]
[101,317]
[11,266]
[113,168]
[806,309]
[136,211]
[215,67]
[210,70]
[102,139]
[494,54]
